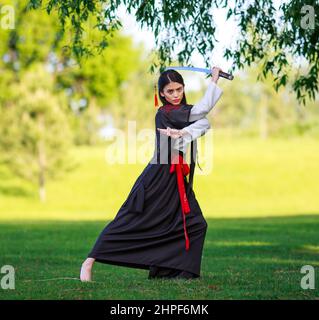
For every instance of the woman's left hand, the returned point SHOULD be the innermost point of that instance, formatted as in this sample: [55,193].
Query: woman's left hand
[174,133]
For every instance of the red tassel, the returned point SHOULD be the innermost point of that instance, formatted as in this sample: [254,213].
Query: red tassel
[155,97]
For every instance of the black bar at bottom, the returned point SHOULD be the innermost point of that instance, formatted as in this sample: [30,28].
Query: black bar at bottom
[141,309]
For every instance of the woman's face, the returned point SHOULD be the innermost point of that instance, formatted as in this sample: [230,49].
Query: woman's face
[173,93]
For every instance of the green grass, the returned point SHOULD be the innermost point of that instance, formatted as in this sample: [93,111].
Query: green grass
[260,201]
[248,258]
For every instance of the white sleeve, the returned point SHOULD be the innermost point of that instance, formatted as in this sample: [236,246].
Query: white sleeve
[195,130]
[203,107]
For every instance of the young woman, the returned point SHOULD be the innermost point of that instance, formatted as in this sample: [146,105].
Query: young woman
[160,226]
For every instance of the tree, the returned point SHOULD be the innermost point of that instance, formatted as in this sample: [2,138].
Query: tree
[101,76]
[34,132]
[291,31]
[258,109]
[92,84]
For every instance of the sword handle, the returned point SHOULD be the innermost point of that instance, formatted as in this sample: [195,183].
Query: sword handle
[226,75]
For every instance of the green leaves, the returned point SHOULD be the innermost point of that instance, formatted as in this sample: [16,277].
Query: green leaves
[189,26]
[35,134]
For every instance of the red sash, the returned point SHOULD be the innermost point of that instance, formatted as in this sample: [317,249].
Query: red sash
[182,169]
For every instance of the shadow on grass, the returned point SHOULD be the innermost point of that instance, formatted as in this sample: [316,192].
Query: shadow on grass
[15,191]
[8,188]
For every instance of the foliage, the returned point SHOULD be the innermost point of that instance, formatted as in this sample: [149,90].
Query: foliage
[190,26]
[91,85]
[34,132]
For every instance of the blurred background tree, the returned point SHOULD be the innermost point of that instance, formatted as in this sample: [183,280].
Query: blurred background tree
[35,135]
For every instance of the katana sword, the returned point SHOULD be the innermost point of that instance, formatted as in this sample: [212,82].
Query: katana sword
[223,74]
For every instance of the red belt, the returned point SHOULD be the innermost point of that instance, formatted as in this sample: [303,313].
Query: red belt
[182,169]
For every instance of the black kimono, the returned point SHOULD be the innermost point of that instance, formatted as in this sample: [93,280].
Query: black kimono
[152,229]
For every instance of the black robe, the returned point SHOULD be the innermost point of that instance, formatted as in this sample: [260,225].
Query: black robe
[148,231]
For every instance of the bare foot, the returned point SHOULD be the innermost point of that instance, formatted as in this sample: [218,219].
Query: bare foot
[86,270]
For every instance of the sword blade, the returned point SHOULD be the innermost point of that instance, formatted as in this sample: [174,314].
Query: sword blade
[190,69]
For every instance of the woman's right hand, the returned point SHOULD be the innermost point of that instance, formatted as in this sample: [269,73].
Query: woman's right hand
[215,74]
[171,132]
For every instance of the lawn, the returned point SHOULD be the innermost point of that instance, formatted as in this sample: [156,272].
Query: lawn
[260,201]
[247,258]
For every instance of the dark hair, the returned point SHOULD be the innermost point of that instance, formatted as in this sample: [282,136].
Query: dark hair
[165,78]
